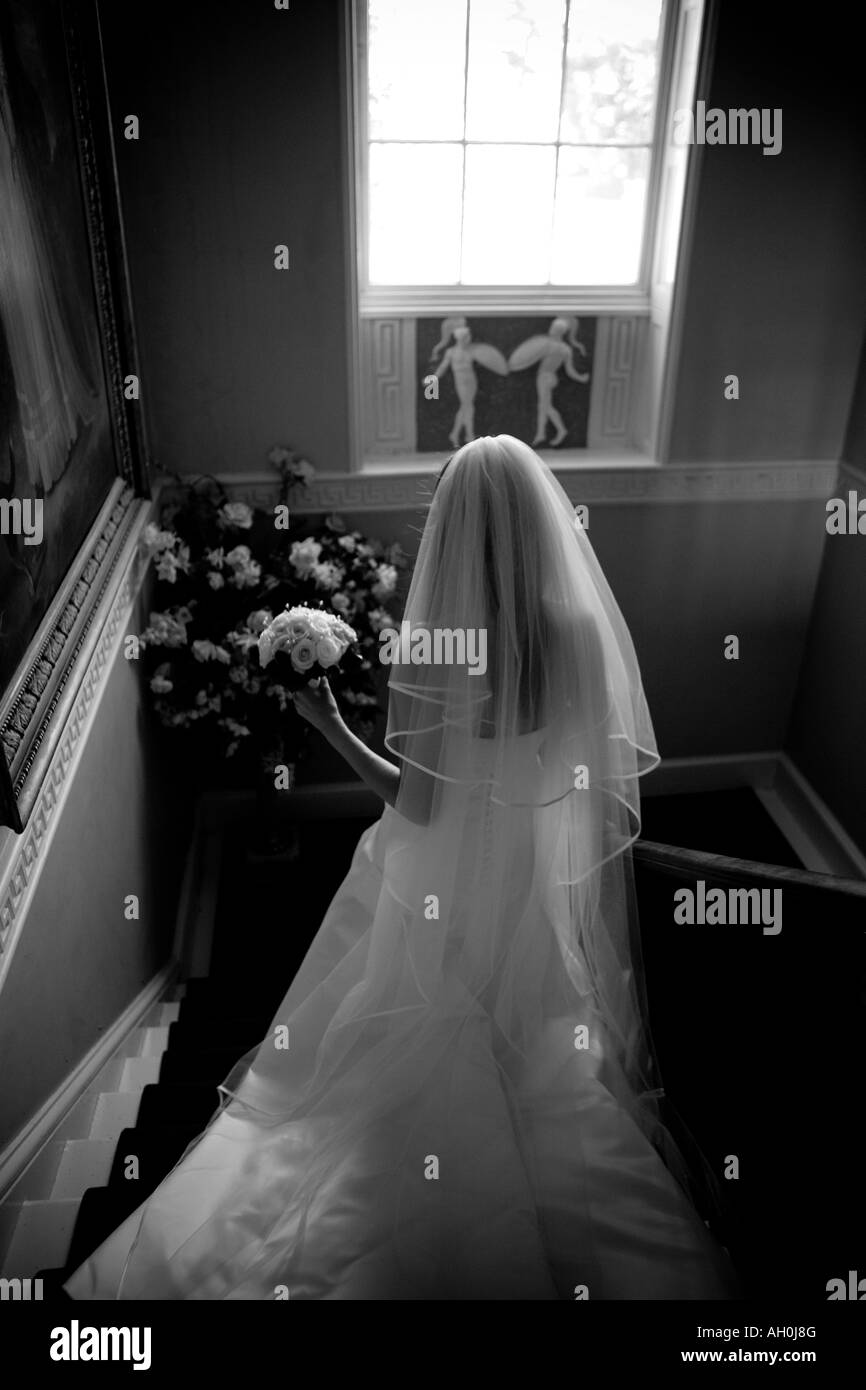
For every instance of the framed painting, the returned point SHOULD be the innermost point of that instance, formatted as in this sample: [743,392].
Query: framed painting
[72,442]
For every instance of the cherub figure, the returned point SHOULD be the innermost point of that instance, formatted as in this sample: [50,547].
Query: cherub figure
[461,359]
[551,352]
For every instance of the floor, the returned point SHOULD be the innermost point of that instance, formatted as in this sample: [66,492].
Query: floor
[734,823]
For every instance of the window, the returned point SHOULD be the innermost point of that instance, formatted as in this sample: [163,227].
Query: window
[516,192]
[508,142]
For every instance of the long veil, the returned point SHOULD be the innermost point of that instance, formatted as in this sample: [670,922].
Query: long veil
[500,894]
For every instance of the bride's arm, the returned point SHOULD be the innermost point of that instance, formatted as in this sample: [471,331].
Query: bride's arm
[317,705]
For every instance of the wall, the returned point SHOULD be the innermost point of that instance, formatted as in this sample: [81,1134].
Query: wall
[826,727]
[78,962]
[776,291]
[687,574]
[241,148]
[239,151]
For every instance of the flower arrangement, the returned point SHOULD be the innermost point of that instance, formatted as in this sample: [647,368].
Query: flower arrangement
[231,578]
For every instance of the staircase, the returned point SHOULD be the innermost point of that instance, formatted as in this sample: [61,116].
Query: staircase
[756,1035]
[151,1105]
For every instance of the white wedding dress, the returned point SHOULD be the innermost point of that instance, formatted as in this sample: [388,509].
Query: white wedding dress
[486,1181]
[458,1098]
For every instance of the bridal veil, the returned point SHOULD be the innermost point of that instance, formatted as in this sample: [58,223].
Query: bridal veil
[489,936]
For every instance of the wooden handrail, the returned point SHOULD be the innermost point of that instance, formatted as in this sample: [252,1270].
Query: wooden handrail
[671,859]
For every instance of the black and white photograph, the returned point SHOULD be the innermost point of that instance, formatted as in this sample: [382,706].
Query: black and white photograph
[432,669]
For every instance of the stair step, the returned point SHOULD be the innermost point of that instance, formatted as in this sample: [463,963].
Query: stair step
[139,1072]
[102,1210]
[84,1163]
[154,1040]
[157,1151]
[42,1236]
[189,1107]
[186,1035]
[115,1111]
[160,1014]
[206,1065]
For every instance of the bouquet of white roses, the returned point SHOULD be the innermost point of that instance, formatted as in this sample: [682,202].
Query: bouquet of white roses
[311,640]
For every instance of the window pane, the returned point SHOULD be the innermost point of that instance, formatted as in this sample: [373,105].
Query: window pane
[416,57]
[600,207]
[611,71]
[508,214]
[515,69]
[415,194]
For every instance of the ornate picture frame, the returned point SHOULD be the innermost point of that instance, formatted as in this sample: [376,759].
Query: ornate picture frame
[103,473]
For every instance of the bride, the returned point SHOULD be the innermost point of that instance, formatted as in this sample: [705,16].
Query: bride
[457,1099]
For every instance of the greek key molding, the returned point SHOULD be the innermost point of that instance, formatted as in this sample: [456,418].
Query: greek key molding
[408,488]
[388,397]
[22,857]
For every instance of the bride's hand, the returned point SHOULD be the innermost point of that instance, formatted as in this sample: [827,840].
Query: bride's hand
[317,705]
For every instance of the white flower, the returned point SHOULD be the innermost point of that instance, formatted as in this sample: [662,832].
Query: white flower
[341,602]
[236,515]
[328,651]
[327,575]
[303,654]
[163,630]
[379,619]
[279,455]
[386,581]
[215,558]
[246,570]
[347,542]
[259,620]
[304,555]
[215,580]
[167,567]
[154,539]
[306,470]
[160,686]
[202,651]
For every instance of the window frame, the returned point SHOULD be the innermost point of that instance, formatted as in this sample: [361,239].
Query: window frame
[481,299]
[685,71]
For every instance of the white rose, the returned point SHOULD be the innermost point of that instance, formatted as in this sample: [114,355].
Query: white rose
[304,554]
[386,581]
[160,686]
[304,654]
[328,651]
[259,620]
[215,580]
[236,515]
